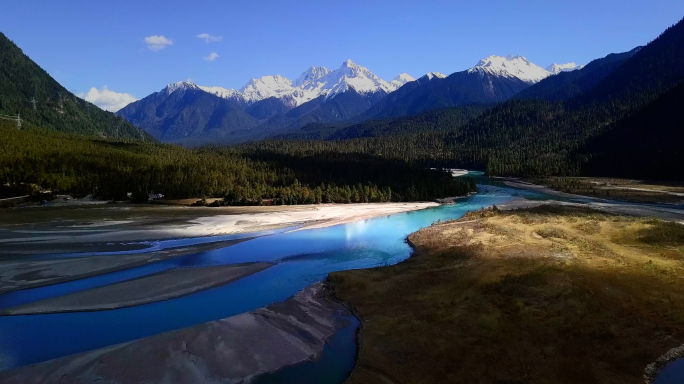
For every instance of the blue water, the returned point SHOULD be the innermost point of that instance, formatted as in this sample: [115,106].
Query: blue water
[672,373]
[301,257]
[333,366]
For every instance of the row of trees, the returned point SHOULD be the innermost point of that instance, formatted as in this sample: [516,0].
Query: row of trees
[66,163]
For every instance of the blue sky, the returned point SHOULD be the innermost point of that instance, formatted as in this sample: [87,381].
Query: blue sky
[85,44]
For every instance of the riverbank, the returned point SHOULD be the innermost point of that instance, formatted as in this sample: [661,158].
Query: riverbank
[669,212]
[161,286]
[18,274]
[118,228]
[255,343]
[547,294]
[637,191]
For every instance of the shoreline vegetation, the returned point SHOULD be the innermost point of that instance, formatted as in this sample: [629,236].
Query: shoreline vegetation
[638,191]
[545,294]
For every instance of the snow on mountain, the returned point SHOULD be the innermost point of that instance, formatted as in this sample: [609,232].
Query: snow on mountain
[223,92]
[182,85]
[353,76]
[267,86]
[311,84]
[311,76]
[511,66]
[402,79]
[432,75]
[558,68]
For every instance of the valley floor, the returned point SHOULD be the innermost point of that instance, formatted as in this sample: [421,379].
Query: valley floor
[25,234]
[539,295]
[25,231]
[638,191]
[659,204]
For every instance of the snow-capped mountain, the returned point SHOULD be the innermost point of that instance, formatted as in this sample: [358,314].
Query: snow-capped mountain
[269,105]
[493,80]
[181,85]
[558,68]
[402,79]
[311,84]
[511,66]
[216,91]
[185,111]
[433,75]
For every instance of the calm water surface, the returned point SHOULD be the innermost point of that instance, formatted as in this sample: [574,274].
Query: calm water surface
[301,257]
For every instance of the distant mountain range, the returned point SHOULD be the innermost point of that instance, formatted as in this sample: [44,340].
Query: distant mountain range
[192,114]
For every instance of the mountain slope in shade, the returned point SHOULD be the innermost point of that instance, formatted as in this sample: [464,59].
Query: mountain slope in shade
[184,111]
[652,70]
[642,144]
[568,84]
[340,108]
[492,80]
[23,83]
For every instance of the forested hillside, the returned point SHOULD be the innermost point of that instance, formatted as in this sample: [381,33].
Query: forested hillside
[567,85]
[108,168]
[28,91]
[647,144]
[438,120]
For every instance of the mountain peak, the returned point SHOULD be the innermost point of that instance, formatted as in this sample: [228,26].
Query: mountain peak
[401,79]
[404,78]
[265,87]
[349,63]
[432,75]
[511,66]
[311,76]
[182,85]
[558,68]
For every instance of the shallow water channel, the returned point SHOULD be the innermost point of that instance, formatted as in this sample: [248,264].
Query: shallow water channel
[301,258]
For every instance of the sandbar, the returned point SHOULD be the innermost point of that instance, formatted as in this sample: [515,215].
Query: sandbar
[161,286]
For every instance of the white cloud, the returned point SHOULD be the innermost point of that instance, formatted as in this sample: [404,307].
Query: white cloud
[157,42]
[212,56]
[209,38]
[106,99]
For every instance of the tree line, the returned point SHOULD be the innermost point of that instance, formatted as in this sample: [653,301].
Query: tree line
[109,168]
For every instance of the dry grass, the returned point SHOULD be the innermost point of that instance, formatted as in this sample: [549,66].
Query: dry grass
[618,189]
[547,295]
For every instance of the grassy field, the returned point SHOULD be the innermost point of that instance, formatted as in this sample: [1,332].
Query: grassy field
[620,189]
[546,295]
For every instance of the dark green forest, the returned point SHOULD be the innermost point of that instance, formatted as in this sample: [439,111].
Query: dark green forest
[109,168]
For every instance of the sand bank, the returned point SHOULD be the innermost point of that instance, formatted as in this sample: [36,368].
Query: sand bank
[665,212]
[144,290]
[24,274]
[67,228]
[253,343]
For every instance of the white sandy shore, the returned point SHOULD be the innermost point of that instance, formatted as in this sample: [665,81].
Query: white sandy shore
[213,224]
